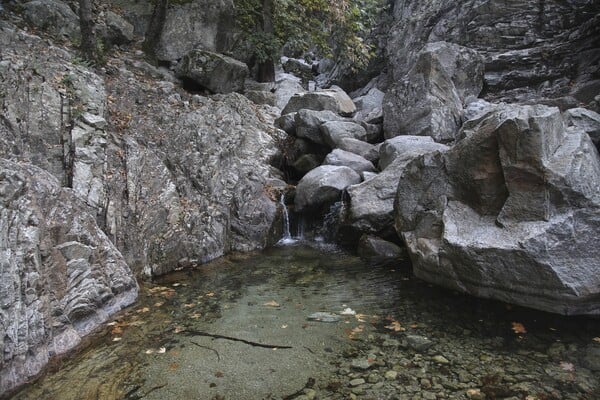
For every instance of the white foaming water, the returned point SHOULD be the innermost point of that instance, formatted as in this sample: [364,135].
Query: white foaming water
[287,236]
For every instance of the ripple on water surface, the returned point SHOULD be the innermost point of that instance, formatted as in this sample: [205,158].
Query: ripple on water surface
[238,328]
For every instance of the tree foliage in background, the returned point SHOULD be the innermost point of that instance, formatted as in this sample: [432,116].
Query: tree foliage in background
[338,29]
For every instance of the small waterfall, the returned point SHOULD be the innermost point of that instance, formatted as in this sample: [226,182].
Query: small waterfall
[287,236]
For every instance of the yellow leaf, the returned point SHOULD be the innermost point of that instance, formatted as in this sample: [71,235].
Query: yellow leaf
[211,294]
[271,303]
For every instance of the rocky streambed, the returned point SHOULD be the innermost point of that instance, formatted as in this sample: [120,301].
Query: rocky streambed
[304,321]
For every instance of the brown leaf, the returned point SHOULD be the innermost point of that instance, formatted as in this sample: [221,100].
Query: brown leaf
[271,303]
[518,327]
[395,326]
[219,374]
[173,366]
[596,339]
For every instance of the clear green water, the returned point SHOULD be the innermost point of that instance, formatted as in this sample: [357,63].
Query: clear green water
[408,341]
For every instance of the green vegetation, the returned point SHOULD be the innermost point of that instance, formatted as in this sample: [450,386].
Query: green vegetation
[338,29]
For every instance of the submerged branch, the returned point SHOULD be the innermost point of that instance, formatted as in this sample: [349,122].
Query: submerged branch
[251,343]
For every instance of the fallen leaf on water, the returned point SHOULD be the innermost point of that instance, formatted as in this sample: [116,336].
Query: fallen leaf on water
[271,303]
[117,339]
[518,327]
[173,366]
[158,304]
[189,305]
[117,330]
[143,310]
[150,351]
[179,329]
[162,350]
[219,374]
[112,323]
[356,331]
[361,317]
[567,366]
[195,316]
[284,326]
[395,326]
[596,339]
[211,294]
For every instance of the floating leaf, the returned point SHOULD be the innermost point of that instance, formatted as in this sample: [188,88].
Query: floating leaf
[284,326]
[361,317]
[596,339]
[395,326]
[179,329]
[117,339]
[173,366]
[143,310]
[356,331]
[518,327]
[271,303]
[162,350]
[348,311]
[211,294]
[219,374]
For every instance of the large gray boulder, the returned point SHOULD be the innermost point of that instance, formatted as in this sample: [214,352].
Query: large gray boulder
[334,131]
[356,146]
[428,101]
[116,29]
[323,185]
[215,72]
[52,16]
[511,212]
[350,160]
[61,276]
[203,24]
[372,202]
[406,148]
[286,86]
[370,106]
[333,99]
[308,124]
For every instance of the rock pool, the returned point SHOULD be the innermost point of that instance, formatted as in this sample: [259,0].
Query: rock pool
[239,328]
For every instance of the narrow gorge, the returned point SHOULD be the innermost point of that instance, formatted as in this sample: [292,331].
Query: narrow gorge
[398,200]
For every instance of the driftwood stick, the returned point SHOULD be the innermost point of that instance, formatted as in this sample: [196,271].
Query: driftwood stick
[251,343]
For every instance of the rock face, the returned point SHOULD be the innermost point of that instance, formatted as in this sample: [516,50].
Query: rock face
[204,24]
[61,275]
[512,212]
[323,185]
[532,50]
[107,174]
[215,72]
[429,99]
[587,120]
